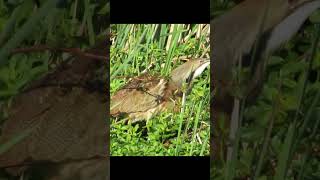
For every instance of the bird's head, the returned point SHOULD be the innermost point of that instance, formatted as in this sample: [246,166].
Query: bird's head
[188,71]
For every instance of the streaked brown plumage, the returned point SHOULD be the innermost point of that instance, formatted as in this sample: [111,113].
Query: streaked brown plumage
[146,95]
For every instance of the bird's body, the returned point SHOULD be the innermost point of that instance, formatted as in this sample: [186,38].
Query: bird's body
[146,95]
[142,97]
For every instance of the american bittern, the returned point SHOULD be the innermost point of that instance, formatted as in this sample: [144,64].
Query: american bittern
[146,95]
[246,35]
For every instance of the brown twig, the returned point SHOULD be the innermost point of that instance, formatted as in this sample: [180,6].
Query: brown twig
[74,51]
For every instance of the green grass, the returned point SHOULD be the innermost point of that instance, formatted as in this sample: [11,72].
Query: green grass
[157,49]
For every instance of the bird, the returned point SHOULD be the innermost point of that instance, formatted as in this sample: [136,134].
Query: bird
[146,95]
[68,118]
[246,35]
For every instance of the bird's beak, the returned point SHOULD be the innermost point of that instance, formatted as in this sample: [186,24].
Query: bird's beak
[204,63]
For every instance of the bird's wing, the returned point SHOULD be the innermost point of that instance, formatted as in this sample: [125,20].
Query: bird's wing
[139,95]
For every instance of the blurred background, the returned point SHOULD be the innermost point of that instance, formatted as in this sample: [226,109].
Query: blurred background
[290,95]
